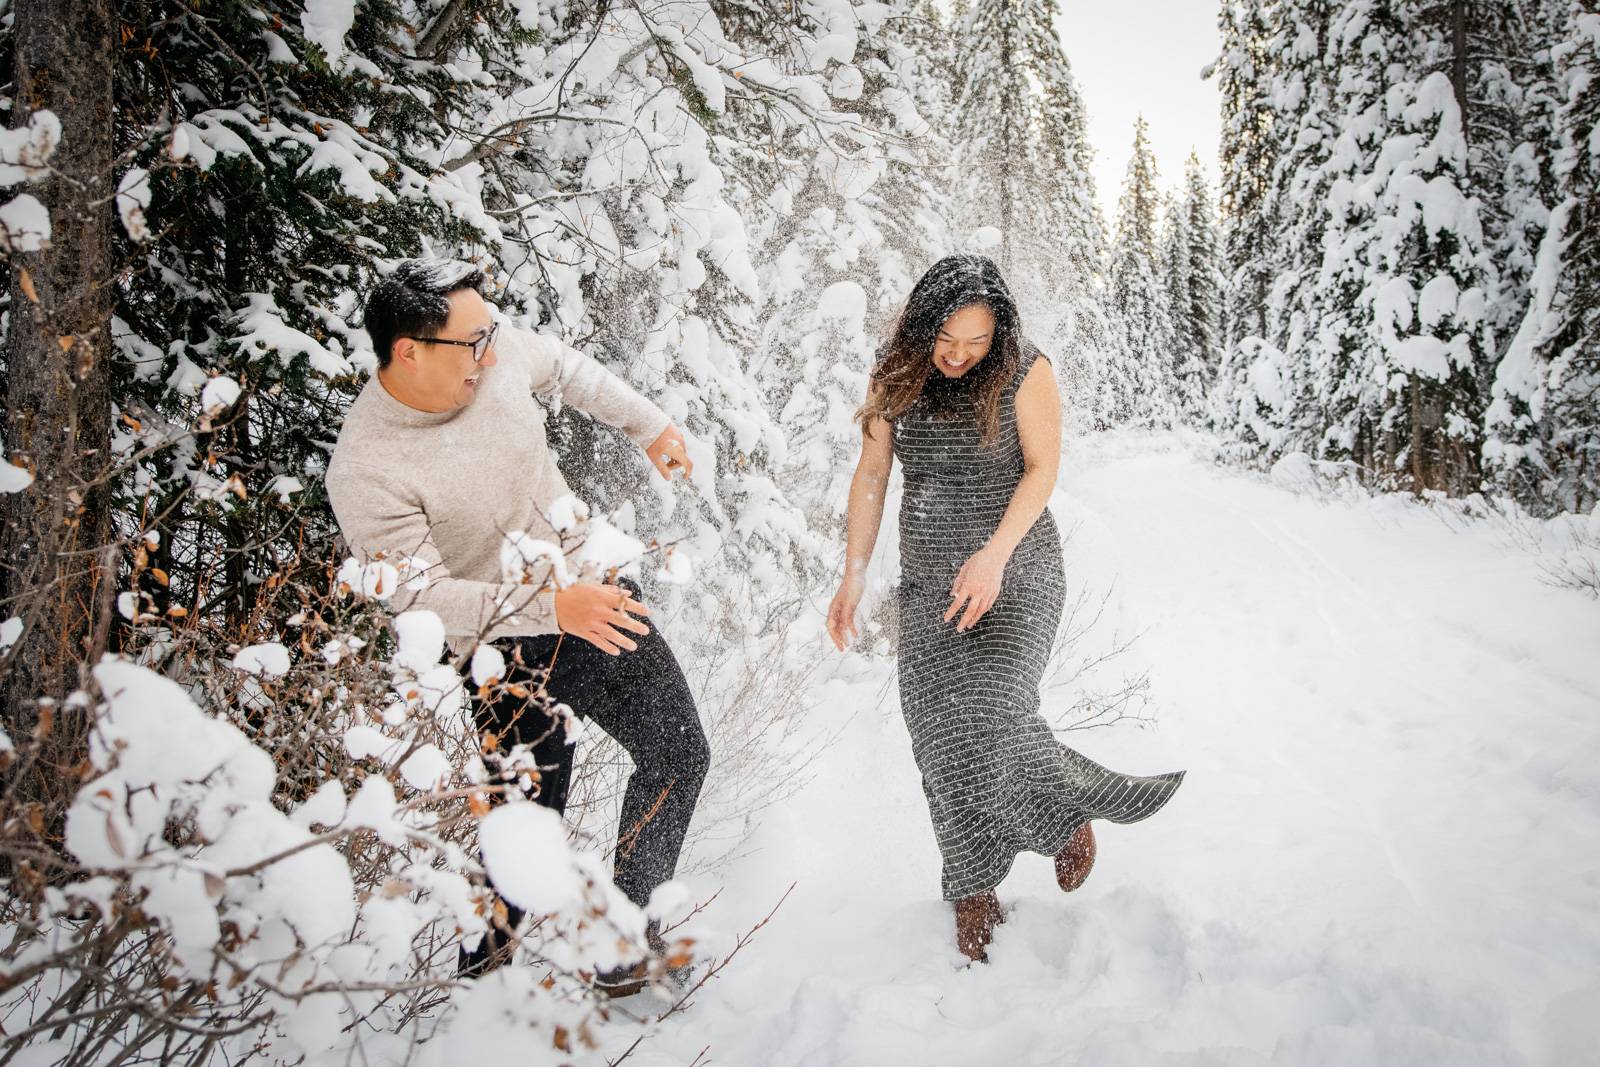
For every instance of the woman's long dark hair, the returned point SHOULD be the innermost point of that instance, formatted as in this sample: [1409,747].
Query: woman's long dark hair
[903,368]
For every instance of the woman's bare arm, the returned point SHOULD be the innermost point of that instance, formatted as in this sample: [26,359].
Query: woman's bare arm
[977,584]
[867,489]
[1039,427]
[862,520]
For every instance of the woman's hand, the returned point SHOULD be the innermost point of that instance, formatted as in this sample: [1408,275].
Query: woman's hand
[842,613]
[598,614]
[977,585]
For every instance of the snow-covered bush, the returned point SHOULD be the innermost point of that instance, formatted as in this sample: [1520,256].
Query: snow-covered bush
[274,851]
[1566,545]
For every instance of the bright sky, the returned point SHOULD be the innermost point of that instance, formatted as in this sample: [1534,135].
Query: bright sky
[1144,57]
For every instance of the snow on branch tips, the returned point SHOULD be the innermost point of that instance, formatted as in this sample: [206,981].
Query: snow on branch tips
[25,151]
[25,157]
[24,224]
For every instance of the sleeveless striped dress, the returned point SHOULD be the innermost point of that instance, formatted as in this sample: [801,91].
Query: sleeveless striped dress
[996,779]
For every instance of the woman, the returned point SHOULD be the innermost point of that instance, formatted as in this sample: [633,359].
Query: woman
[971,411]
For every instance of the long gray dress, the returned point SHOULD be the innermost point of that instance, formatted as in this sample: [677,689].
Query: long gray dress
[997,780]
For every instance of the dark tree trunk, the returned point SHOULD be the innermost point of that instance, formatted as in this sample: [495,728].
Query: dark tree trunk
[58,414]
[1458,59]
[1007,169]
[233,437]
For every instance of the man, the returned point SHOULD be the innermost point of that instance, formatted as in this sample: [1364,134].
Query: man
[442,454]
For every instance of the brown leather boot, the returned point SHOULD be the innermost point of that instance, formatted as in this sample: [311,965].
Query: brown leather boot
[626,981]
[1075,860]
[623,981]
[976,917]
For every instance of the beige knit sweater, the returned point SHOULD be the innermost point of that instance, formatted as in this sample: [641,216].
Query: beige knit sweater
[446,487]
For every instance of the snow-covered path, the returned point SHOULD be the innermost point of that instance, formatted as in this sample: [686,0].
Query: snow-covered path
[1385,852]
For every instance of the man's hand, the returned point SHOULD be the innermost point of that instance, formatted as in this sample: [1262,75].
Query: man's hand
[598,614]
[667,453]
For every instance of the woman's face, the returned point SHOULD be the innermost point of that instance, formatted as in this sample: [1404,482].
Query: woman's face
[963,340]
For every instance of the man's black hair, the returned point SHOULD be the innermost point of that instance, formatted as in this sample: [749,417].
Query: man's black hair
[414,300]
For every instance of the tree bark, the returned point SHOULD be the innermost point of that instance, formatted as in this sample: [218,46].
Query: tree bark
[1007,168]
[57,397]
[1458,59]
[444,27]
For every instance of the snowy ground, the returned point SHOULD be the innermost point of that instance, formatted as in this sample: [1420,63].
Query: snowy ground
[1385,852]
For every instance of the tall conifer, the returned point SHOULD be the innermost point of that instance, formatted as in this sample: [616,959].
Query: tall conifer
[1140,380]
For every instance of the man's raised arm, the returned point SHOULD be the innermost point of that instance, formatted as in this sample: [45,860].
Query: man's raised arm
[557,369]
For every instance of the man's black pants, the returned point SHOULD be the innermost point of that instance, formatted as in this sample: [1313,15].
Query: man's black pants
[642,700]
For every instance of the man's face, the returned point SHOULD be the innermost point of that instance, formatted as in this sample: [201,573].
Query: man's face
[443,376]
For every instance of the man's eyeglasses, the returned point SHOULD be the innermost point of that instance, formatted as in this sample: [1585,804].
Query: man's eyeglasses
[479,346]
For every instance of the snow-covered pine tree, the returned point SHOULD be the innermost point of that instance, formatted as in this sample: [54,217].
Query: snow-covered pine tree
[1243,72]
[840,249]
[1183,369]
[1139,383]
[627,174]
[1405,277]
[1204,321]
[1069,311]
[1544,422]
[995,119]
[835,241]
[1499,60]
[1024,166]
[1304,359]
[908,94]
[1192,282]
[278,155]
[1375,200]
[1249,238]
